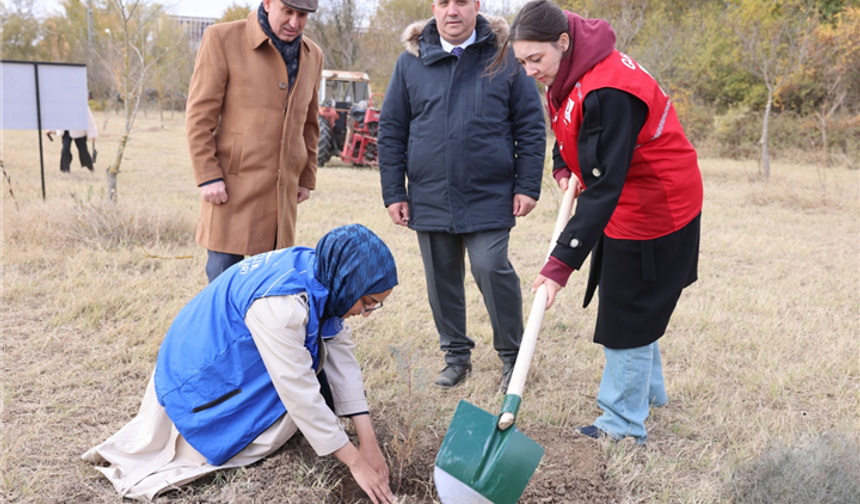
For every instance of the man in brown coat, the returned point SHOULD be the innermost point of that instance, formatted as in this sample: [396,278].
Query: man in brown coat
[252,130]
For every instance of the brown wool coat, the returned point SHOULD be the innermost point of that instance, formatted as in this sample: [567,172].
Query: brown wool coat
[246,126]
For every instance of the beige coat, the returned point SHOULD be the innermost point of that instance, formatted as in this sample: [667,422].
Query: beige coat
[246,126]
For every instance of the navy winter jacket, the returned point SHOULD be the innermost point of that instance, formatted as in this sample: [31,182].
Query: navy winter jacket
[467,141]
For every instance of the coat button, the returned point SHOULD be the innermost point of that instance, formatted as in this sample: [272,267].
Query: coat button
[282,85]
[595,172]
[575,243]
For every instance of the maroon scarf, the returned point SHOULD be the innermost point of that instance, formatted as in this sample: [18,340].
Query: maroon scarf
[591,41]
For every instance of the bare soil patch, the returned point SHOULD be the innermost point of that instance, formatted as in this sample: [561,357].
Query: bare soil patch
[572,471]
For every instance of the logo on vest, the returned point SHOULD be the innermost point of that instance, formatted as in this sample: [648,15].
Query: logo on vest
[628,61]
[252,263]
[568,109]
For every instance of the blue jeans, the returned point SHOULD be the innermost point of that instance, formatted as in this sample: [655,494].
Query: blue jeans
[218,262]
[632,382]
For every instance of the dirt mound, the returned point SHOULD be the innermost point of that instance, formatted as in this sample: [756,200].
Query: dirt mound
[572,471]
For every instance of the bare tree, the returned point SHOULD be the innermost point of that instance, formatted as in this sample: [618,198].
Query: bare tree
[172,72]
[834,65]
[338,27]
[131,62]
[382,42]
[774,38]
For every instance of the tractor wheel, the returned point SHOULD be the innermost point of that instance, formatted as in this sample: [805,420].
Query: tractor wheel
[324,146]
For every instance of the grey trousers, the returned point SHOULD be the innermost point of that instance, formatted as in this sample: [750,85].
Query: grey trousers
[445,268]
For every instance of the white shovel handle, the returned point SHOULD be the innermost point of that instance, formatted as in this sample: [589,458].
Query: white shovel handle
[564,213]
[527,347]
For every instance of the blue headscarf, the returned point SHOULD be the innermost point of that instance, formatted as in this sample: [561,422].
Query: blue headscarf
[353,262]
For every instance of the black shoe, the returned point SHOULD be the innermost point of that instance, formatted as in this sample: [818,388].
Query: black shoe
[594,432]
[507,371]
[453,375]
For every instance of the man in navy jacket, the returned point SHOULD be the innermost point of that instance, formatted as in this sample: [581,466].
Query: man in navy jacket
[471,143]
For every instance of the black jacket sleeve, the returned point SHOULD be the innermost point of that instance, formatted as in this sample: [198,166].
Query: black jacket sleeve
[394,138]
[557,161]
[529,130]
[612,120]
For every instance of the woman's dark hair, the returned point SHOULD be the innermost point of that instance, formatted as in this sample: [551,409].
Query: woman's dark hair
[538,21]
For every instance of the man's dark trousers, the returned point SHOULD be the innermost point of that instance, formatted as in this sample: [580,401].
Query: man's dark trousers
[218,262]
[444,266]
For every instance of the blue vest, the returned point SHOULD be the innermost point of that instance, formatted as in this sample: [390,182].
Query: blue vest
[210,377]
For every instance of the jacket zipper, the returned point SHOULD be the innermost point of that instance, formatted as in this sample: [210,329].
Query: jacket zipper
[216,402]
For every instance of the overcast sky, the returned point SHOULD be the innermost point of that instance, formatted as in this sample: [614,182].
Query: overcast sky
[203,8]
[214,8]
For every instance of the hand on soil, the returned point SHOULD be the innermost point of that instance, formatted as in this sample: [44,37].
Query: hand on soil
[371,482]
[374,457]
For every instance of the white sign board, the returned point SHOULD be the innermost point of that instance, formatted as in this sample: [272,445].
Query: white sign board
[62,96]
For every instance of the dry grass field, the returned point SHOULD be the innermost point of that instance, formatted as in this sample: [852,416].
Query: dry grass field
[762,358]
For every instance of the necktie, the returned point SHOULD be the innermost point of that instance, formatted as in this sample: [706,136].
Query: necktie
[457,51]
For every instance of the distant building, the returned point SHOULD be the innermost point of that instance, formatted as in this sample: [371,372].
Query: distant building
[193,27]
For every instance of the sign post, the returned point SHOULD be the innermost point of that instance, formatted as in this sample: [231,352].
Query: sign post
[50,96]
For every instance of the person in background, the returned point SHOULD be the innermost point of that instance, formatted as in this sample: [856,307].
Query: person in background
[472,146]
[252,130]
[639,211]
[259,354]
[80,138]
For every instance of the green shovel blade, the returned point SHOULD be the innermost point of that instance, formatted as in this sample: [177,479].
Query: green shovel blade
[481,464]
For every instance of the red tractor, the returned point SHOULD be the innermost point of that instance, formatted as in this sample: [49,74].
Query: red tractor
[359,148]
[349,118]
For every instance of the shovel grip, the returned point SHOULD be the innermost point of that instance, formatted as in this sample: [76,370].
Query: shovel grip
[509,411]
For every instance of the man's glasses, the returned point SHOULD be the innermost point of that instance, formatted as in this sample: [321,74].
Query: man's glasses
[375,306]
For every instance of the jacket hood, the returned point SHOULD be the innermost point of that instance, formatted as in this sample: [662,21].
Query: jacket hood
[485,25]
[591,41]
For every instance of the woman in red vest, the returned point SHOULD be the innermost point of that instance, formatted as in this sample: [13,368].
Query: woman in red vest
[639,209]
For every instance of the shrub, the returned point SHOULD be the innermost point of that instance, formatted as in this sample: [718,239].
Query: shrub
[696,118]
[737,133]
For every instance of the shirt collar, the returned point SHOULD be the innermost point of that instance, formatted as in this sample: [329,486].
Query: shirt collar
[447,47]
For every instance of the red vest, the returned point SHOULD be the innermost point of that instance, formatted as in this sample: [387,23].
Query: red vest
[663,189]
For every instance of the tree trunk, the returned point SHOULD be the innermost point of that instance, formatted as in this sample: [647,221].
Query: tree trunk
[765,158]
[107,116]
[111,186]
[824,134]
[113,170]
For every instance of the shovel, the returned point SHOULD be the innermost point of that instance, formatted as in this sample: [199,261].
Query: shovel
[484,458]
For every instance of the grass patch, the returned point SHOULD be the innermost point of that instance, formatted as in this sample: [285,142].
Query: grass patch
[761,352]
[825,470]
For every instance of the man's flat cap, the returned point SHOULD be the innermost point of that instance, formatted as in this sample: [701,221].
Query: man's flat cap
[301,5]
